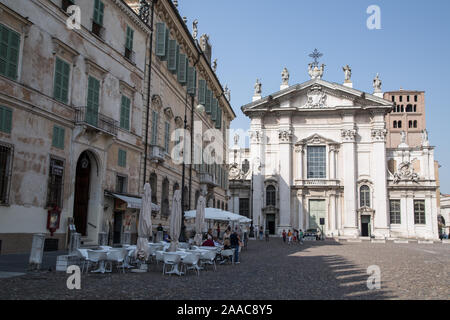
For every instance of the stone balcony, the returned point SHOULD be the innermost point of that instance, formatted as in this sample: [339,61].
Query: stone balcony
[95,120]
[317,183]
[157,154]
[208,179]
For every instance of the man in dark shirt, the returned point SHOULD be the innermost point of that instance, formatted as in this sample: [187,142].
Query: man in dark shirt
[234,239]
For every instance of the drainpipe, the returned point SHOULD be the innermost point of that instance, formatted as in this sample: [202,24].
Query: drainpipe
[149,89]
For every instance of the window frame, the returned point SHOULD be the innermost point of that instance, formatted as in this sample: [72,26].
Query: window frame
[49,202]
[4,196]
[65,62]
[420,217]
[365,200]
[19,53]
[271,196]
[309,153]
[124,190]
[395,215]
[123,124]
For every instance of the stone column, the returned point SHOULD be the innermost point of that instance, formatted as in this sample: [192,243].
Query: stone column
[257,165]
[236,204]
[349,178]
[285,155]
[381,223]
[333,150]
[301,201]
[299,150]
[332,214]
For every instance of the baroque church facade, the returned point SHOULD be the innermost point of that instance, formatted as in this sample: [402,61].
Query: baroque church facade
[318,158]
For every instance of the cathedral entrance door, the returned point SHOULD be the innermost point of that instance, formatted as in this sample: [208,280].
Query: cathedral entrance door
[317,210]
[270,223]
[365,226]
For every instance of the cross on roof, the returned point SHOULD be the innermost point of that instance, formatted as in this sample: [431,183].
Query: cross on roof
[316,55]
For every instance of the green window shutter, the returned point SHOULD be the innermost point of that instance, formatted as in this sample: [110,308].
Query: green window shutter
[202,91]
[172,59]
[61,83]
[219,118]
[192,81]
[154,139]
[58,137]
[182,70]
[161,38]
[214,109]
[208,101]
[122,159]
[93,101]
[125,113]
[9,52]
[167,136]
[5,119]
[99,8]
[130,37]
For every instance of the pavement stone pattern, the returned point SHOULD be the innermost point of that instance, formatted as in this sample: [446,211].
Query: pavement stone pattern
[268,270]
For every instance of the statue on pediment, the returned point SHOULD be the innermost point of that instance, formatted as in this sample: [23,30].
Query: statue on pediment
[195,29]
[348,73]
[285,77]
[258,89]
[315,72]
[377,84]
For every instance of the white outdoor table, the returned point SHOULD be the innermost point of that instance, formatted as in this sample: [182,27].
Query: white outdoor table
[176,270]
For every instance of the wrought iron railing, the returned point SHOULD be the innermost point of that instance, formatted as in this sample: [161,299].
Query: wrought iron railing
[95,119]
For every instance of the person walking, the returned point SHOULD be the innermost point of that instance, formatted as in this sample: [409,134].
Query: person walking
[261,233]
[283,234]
[235,244]
[267,235]
[289,237]
[300,236]
[226,238]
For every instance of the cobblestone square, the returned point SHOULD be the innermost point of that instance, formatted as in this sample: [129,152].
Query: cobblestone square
[268,270]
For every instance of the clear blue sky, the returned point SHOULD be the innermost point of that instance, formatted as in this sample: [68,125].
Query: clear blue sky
[258,38]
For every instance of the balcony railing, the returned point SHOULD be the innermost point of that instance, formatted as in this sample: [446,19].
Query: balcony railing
[317,183]
[96,120]
[156,154]
[208,179]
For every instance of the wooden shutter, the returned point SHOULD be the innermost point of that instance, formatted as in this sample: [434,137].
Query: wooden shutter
[122,158]
[202,91]
[161,38]
[214,109]
[125,113]
[219,118]
[208,101]
[172,59]
[93,101]
[182,70]
[9,52]
[192,81]
[61,81]
[154,128]
[130,38]
[5,119]
[98,12]
[58,137]
[167,136]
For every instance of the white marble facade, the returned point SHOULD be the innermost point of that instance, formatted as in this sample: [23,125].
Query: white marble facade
[322,147]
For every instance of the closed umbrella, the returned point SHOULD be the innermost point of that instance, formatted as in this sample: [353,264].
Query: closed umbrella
[145,224]
[200,219]
[175,220]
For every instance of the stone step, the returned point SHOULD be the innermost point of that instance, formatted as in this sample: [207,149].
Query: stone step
[378,241]
[401,241]
[354,240]
[445,240]
[425,242]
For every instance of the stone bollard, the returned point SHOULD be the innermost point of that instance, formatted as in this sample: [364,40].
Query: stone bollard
[102,239]
[75,243]
[37,251]
[126,238]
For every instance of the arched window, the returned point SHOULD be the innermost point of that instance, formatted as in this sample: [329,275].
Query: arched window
[165,198]
[399,124]
[403,110]
[410,124]
[245,166]
[409,108]
[270,196]
[364,196]
[395,124]
[415,123]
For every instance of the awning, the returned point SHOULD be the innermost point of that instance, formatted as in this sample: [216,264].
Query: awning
[133,202]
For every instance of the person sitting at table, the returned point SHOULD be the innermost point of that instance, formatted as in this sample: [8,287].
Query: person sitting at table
[208,243]
[216,242]
[167,238]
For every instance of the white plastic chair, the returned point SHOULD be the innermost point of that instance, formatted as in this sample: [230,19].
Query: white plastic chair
[208,257]
[171,259]
[82,254]
[117,256]
[105,247]
[227,254]
[96,257]
[190,262]
[159,257]
[183,245]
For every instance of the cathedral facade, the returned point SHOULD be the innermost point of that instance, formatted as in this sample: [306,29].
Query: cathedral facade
[318,159]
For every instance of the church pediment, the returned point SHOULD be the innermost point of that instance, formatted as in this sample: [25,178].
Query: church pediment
[316,139]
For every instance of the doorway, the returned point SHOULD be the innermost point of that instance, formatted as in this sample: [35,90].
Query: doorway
[365,226]
[270,223]
[81,201]
[317,214]
[117,231]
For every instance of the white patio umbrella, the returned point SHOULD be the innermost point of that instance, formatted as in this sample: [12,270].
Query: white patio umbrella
[200,219]
[175,220]
[145,224]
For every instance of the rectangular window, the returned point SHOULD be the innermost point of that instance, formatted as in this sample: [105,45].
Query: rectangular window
[208,101]
[415,98]
[58,137]
[219,118]
[125,113]
[419,212]
[244,205]
[214,106]
[55,184]
[154,140]
[6,154]
[121,184]
[172,59]
[122,162]
[395,213]
[317,162]
[5,119]
[202,91]
[191,81]
[93,99]
[166,136]
[129,44]
[99,8]
[9,52]
[61,83]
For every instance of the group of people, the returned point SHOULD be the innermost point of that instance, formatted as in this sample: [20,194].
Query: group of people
[231,240]
[291,237]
